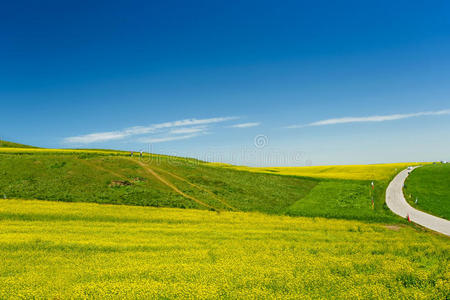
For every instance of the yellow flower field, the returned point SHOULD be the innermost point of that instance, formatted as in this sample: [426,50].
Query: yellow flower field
[352,172]
[79,250]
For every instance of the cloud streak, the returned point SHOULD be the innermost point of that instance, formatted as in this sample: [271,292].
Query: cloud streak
[188,130]
[245,125]
[168,138]
[176,126]
[382,118]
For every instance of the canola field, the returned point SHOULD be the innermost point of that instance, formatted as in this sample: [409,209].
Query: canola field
[350,172]
[86,250]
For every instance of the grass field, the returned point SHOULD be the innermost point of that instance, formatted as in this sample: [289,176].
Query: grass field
[430,185]
[113,177]
[236,242]
[123,180]
[344,199]
[80,250]
[103,176]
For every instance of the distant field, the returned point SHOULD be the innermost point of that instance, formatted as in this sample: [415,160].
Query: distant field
[431,186]
[79,250]
[353,172]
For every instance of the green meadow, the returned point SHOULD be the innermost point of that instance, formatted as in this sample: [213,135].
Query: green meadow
[101,176]
[101,224]
[430,185]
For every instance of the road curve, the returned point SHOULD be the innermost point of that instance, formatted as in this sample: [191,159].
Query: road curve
[397,203]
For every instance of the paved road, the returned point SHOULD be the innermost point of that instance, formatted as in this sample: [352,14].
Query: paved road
[397,203]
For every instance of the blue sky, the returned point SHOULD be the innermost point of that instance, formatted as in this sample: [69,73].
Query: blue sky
[308,82]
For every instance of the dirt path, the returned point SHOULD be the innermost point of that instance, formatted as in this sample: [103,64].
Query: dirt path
[200,188]
[397,203]
[170,185]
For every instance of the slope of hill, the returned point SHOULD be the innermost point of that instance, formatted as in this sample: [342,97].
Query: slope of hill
[152,181]
[81,250]
[231,245]
[430,185]
[114,177]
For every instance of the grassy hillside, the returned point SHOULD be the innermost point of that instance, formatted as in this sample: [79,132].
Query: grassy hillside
[345,199]
[430,185]
[79,250]
[108,176]
[159,181]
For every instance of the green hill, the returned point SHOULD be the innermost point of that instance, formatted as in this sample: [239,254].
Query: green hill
[113,177]
[233,244]
[430,185]
[152,181]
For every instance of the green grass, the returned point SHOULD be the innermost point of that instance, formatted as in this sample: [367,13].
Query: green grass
[431,186]
[77,178]
[345,199]
[91,176]
[246,248]
[80,250]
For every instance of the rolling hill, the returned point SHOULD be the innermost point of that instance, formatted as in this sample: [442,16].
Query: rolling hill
[246,235]
[113,177]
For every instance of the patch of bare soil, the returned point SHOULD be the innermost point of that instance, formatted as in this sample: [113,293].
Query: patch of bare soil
[116,183]
[393,227]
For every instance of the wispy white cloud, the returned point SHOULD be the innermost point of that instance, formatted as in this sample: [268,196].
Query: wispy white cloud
[372,118]
[245,125]
[187,130]
[191,122]
[167,138]
[141,130]
[95,137]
